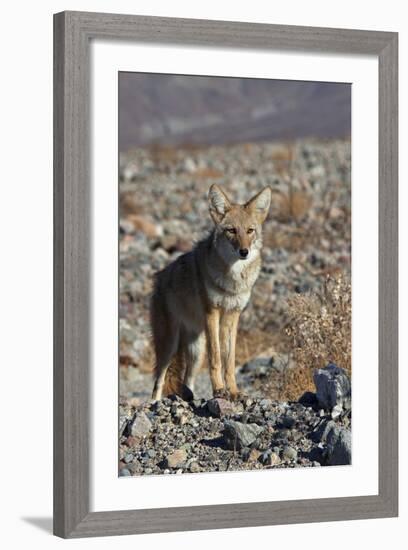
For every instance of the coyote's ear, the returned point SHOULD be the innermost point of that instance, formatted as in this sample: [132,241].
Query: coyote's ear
[260,204]
[219,203]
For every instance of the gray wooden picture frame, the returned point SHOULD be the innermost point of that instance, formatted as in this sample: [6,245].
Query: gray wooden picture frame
[72,34]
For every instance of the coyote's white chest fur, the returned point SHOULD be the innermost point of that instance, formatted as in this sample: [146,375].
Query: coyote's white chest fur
[231,288]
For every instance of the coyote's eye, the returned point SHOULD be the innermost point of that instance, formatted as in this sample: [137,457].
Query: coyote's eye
[250,230]
[231,230]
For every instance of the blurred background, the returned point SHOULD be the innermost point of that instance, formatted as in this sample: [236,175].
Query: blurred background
[175,109]
[180,134]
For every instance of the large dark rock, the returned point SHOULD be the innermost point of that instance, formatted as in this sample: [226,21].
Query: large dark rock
[338,446]
[320,433]
[333,387]
[219,407]
[238,435]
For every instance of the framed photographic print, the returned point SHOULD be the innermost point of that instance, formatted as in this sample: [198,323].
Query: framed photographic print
[225,280]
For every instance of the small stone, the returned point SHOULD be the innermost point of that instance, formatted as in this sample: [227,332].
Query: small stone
[148,471]
[269,458]
[131,441]
[253,455]
[288,422]
[150,453]
[261,366]
[264,458]
[219,407]
[141,425]
[145,225]
[124,472]
[181,419]
[274,459]
[289,453]
[238,435]
[194,467]
[169,242]
[336,412]
[197,403]
[128,458]
[265,404]
[189,165]
[176,459]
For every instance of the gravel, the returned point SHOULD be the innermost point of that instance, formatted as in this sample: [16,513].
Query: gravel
[251,434]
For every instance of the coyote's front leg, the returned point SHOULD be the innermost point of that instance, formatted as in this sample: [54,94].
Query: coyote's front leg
[228,335]
[212,326]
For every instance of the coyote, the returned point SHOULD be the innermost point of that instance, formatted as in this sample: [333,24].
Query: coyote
[197,299]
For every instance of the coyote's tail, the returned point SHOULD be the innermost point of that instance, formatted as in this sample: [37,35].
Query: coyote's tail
[173,384]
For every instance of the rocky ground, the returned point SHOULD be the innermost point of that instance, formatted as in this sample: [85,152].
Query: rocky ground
[173,436]
[307,236]
[164,210]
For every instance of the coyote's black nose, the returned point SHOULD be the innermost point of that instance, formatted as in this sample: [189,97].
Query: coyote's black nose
[243,252]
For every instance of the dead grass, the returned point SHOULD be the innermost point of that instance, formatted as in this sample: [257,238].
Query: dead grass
[282,158]
[145,364]
[320,332]
[252,343]
[292,206]
[164,153]
[289,237]
[207,174]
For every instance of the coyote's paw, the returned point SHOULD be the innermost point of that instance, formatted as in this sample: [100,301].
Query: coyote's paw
[222,393]
[240,396]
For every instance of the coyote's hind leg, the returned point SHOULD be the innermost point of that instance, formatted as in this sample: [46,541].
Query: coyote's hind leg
[165,347]
[193,346]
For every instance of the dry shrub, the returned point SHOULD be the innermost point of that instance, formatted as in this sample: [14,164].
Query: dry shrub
[252,343]
[164,153]
[293,205]
[147,359]
[283,154]
[320,331]
[291,238]
[282,158]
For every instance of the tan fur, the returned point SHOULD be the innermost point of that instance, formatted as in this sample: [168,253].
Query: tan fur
[173,383]
[198,298]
